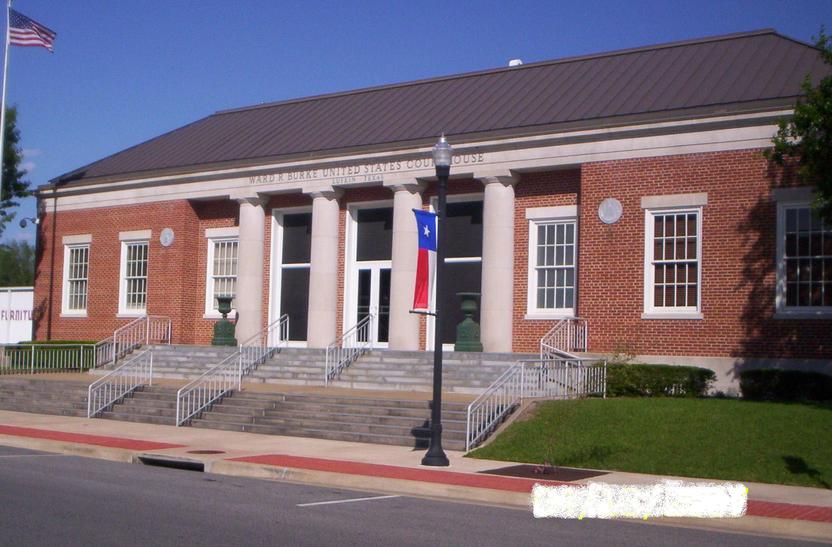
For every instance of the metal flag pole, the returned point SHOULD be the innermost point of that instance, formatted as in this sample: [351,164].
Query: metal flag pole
[3,101]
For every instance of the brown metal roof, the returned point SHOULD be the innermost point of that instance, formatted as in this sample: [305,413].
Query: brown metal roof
[725,74]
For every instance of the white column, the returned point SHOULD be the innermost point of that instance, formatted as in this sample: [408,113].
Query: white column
[497,301]
[404,326]
[323,270]
[249,299]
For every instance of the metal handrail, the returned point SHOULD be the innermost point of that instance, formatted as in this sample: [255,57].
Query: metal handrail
[195,396]
[142,330]
[565,378]
[348,347]
[199,394]
[550,378]
[258,348]
[568,335]
[496,402]
[120,382]
[46,358]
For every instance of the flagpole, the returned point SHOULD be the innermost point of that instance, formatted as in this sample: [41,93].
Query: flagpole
[3,100]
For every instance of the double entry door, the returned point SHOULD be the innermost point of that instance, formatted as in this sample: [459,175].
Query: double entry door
[373,297]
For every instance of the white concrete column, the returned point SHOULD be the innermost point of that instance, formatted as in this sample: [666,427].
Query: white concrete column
[497,301]
[249,299]
[323,270]
[404,326]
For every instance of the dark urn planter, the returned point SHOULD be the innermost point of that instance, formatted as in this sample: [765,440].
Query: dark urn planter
[224,329]
[468,331]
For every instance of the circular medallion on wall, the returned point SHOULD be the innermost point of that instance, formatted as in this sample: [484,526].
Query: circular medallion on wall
[610,211]
[166,237]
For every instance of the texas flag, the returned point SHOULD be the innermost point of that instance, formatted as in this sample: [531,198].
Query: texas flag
[426,265]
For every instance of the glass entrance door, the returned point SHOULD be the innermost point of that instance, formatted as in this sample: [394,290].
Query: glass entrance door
[373,296]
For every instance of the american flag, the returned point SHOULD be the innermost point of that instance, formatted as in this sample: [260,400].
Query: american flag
[25,32]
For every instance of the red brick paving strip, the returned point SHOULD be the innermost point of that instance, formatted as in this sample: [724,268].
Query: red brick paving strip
[98,440]
[514,484]
[511,484]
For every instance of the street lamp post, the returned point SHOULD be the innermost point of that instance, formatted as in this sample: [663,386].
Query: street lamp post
[442,155]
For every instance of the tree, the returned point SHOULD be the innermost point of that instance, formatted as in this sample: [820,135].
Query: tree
[17,264]
[807,136]
[14,184]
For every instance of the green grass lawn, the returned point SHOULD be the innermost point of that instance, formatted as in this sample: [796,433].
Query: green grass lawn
[711,438]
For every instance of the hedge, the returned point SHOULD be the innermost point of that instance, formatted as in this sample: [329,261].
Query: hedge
[785,385]
[640,380]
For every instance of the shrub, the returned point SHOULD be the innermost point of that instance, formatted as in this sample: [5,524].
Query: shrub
[785,385]
[640,380]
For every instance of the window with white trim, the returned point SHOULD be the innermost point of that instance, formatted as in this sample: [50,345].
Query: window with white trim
[673,251]
[76,279]
[553,262]
[804,260]
[222,272]
[554,274]
[133,293]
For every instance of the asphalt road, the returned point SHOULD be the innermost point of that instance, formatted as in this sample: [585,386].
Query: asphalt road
[52,499]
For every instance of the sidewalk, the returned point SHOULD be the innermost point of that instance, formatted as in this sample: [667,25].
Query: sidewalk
[772,509]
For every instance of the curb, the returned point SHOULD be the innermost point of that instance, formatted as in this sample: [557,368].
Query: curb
[769,518]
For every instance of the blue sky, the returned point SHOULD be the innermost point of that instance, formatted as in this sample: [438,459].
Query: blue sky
[126,71]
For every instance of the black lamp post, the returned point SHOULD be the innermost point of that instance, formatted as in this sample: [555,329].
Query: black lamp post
[442,155]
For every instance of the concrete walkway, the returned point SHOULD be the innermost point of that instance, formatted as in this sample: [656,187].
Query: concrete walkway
[772,509]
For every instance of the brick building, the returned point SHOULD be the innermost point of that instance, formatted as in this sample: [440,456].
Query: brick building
[627,188]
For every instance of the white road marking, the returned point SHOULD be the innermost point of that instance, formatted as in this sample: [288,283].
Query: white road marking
[345,501]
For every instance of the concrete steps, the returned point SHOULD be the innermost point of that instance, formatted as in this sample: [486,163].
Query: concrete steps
[356,419]
[150,405]
[38,396]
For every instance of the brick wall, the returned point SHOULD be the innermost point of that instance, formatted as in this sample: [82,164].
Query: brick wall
[535,190]
[738,261]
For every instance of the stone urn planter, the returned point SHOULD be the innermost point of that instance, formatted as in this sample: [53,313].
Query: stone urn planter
[468,331]
[224,329]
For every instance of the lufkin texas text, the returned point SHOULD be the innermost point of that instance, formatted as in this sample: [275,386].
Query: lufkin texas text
[360,172]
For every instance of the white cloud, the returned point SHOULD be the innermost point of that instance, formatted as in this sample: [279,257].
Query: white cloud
[32,152]
[29,166]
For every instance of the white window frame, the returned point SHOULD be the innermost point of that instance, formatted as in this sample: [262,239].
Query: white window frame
[128,238]
[542,216]
[276,266]
[71,243]
[214,236]
[664,312]
[791,198]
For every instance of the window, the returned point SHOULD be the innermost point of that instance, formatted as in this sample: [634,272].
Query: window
[133,289]
[222,272]
[292,250]
[672,263]
[553,259]
[76,277]
[804,261]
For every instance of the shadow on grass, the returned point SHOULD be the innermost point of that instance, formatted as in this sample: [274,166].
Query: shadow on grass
[798,466]
[580,457]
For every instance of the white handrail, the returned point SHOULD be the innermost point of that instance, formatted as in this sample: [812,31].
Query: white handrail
[142,330]
[194,397]
[496,402]
[540,378]
[565,378]
[257,349]
[219,380]
[120,382]
[568,335]
[348,347]
[44,358]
